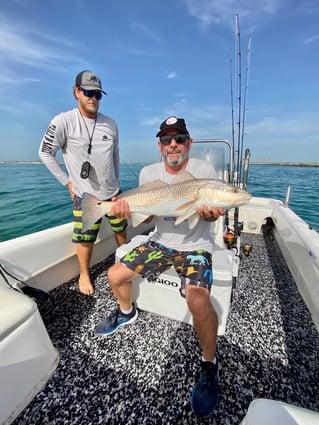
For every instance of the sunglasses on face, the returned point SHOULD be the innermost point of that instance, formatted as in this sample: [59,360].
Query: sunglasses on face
[179,138]
[91,93]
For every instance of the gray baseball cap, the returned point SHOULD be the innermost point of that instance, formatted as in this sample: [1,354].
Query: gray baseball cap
[89,81]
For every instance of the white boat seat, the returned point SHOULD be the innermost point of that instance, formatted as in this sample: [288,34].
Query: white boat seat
[163,297]
[15,308]
[271,412]
[27,356]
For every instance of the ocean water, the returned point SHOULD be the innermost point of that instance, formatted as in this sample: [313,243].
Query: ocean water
[31,199]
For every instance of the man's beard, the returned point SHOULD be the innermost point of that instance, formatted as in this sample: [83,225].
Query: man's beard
[175,162]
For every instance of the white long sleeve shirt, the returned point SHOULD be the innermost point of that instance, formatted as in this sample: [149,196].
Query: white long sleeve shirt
[71,132]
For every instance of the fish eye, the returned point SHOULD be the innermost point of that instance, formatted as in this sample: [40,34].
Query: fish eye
[235,189]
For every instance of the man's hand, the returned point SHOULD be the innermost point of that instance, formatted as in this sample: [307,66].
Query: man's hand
[210,214]
[120,208]
[70,189]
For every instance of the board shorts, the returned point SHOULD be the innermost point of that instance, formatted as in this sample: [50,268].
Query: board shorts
[118,225]
[151,259]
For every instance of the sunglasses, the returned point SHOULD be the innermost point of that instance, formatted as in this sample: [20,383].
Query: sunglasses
[179,138]
[91,93]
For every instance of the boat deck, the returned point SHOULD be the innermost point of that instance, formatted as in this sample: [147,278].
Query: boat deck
[144,373]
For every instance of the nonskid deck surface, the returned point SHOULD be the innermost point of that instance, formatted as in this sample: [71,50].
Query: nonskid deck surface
[144,373]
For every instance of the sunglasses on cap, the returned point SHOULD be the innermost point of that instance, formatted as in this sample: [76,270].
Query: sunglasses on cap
[91,93]
[179,138]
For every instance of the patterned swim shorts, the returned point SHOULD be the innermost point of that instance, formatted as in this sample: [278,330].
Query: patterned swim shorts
[151,259]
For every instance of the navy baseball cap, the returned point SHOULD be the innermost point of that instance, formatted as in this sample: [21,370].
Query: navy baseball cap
[173,122]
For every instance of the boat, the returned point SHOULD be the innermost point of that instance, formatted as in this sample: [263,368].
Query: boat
[54,369]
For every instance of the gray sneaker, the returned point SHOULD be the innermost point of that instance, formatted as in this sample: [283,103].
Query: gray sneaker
[115,320]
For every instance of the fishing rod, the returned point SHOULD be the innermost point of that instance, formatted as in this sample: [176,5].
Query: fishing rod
[238,55]
[232,110]
[130,168]
[241,177]
[238,97]
[231,176]
[242,108]
[231,237]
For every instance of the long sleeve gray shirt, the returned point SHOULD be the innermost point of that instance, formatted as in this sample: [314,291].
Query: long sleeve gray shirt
[71,132]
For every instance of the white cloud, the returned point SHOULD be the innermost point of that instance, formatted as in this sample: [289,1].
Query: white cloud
[171,75]
[146,31]
[210,12]
[299,125]
[151,121]
[22,48]
[311,39]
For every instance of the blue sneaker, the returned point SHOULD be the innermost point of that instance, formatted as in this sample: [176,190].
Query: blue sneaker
[204,397]
[115,320]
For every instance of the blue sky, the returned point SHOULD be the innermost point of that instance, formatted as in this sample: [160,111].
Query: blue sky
[164,57]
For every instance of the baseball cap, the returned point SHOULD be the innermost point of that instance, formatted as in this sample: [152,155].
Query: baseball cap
[89,81]
[173,122]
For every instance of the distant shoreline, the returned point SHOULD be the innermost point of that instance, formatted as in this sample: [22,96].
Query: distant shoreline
[293,164]
[20,162]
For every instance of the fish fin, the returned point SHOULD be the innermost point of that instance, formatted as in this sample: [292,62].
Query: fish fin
[186,205]
[180,219]
[92,210]
[183,176]
[193,220]
[185,216]
[138,218]
[188,208]
[153,185]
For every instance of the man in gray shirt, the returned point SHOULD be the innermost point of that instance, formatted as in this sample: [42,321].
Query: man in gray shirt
[89,142]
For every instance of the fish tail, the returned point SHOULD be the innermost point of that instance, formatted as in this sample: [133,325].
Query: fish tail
[92,210]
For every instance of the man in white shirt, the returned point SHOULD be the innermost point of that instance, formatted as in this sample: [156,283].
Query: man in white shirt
[174,245]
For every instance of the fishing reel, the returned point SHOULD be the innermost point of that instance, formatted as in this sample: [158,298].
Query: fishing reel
[240,227]
[229,239]
[247,248]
